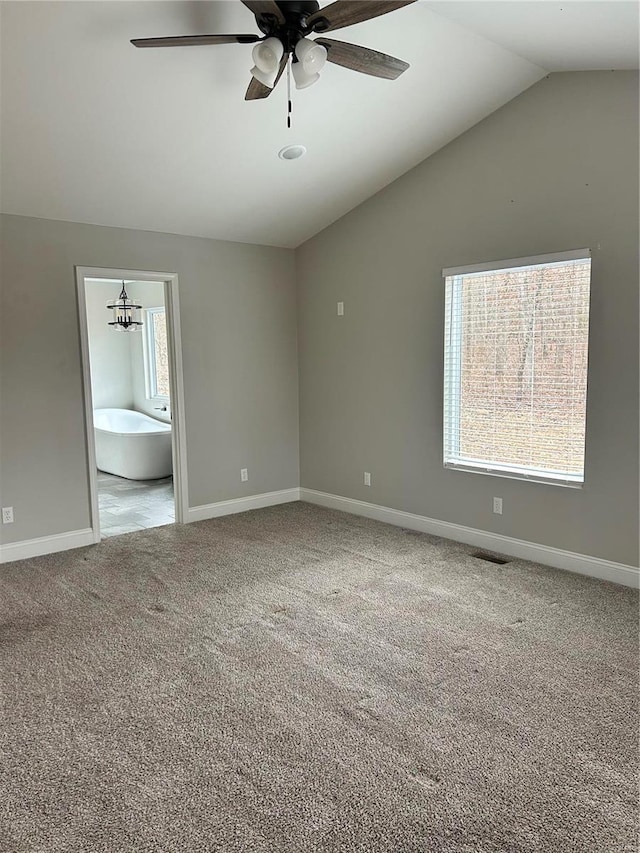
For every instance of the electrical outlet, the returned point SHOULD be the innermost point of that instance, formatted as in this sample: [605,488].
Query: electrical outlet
[244,475]
[367,478]
[497,506]
[7,515]
[340,309]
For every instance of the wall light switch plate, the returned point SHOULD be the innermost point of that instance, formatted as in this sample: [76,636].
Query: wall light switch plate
[244,475]
[497,506]
[7,515]
[367,478]
[340,309]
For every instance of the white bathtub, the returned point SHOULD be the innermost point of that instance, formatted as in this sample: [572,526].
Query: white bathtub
[131,444]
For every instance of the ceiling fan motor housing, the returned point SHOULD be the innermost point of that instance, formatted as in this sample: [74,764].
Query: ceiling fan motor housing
[295,13]
[297,8]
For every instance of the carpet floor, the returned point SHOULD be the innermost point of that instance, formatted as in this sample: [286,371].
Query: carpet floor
[296,679]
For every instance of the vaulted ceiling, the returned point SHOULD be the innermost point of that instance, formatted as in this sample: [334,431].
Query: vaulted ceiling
[94,130]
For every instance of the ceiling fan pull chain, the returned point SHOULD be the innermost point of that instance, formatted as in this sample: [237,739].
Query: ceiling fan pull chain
[289,110]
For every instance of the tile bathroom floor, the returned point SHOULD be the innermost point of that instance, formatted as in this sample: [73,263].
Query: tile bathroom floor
[128,505]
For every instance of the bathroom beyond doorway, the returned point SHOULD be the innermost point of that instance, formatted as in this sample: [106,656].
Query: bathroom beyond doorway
[120,505]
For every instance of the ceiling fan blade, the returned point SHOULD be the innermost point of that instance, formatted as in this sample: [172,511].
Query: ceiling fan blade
[258,90]
[190,41]
[265,7]
[363,59]
[343,13]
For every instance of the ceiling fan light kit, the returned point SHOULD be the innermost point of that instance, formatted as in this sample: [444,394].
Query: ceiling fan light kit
[268,53]
[301,78]
[286,25]
[311,55]
[267,78]
[266,57]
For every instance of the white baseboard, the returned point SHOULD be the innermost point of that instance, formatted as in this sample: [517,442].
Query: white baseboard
[201,513]
[45,545]
[79,538]
[555,557]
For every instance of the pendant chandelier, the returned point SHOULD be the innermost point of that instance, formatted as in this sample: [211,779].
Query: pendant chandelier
[125,316]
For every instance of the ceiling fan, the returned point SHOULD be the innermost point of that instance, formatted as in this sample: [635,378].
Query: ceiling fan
[286,25]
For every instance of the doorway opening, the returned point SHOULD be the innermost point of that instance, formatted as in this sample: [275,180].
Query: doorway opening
[134,401]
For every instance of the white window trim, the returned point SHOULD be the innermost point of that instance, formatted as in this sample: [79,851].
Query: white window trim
[452,355]
[513,472]
[149,355]
[513,263]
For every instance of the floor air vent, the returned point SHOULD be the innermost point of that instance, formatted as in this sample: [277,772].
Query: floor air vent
[490,558]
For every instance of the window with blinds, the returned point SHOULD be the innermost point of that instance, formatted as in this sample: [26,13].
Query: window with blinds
[515,383]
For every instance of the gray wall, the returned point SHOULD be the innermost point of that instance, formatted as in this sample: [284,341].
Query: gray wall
[240,365]
[555,169]
[109,352]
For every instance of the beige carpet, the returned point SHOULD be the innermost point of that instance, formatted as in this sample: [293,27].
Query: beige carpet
[295,679]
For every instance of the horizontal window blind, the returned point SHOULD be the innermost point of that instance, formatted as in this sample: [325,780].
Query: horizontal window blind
[515,383]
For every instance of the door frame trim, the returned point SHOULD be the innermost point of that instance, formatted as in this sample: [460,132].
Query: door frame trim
[176,384]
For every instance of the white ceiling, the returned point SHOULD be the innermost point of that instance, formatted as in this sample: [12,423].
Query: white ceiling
[558,36]
[94,130]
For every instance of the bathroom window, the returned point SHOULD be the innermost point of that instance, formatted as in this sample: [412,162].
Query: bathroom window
[156,356]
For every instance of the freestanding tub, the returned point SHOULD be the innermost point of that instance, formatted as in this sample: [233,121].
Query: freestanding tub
[132,445]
